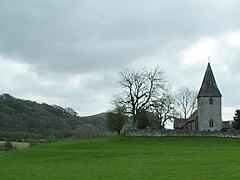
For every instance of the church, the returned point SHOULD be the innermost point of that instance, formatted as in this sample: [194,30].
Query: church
[208,116]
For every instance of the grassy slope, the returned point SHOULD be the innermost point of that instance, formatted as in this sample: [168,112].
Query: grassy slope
[126,158]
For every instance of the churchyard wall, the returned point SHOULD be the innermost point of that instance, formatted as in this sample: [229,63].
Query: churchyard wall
[180,133]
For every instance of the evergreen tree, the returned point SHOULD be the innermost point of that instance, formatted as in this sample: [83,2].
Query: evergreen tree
[116,119]
[236,118]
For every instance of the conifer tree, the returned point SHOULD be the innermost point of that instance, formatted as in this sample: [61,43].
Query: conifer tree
[116,119]
[236,118]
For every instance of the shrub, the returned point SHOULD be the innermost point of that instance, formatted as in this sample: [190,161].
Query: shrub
[147,128]
[7,146]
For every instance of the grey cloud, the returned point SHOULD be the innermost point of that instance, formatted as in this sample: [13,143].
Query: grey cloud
[64,39]
[83,36]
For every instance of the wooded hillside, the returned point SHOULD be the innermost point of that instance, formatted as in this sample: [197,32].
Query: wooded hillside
[24,119]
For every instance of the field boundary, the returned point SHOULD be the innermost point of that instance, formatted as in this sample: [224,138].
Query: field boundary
[180,133]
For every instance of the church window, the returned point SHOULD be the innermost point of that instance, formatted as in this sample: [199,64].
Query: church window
[211,101]
[211,123]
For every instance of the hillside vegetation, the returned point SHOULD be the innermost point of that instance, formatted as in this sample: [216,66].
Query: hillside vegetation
[24,119]
[126,158]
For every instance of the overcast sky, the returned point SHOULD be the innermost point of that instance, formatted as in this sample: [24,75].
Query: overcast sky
[69,52]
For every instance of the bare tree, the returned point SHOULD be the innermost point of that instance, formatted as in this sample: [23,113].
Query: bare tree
[164,110]
[186,101]
[141,88]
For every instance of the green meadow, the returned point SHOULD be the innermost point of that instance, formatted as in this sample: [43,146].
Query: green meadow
[126,158]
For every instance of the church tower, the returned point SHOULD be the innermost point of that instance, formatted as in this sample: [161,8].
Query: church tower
[209,103]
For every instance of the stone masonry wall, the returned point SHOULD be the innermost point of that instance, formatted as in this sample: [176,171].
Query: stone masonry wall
[180,133]
[208,111]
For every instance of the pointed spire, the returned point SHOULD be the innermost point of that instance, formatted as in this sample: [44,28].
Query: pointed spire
[209,86]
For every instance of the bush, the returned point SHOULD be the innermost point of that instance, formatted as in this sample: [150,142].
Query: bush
[7,146]
[87,131]
[143,120]
[116,119]
[147,128]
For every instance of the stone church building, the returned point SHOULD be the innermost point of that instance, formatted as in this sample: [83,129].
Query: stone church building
[208,116]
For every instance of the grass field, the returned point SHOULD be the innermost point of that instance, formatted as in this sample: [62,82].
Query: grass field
[126,158]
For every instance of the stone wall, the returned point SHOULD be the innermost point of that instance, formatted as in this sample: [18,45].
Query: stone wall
[207,111]
[180,133]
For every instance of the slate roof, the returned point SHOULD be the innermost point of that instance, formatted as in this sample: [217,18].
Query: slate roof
[226,124]
[179,123]
[193,117]
[209,86]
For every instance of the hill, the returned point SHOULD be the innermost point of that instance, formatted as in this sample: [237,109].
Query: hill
[24,119]
[126,158]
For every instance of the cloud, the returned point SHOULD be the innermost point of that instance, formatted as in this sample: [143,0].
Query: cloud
[53,36]
[76,90]
[69,52]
